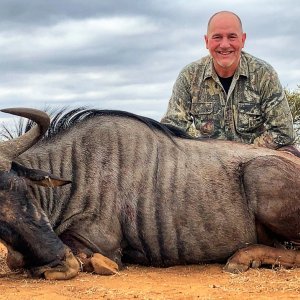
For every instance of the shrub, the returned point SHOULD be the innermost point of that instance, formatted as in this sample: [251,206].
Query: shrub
[293,97]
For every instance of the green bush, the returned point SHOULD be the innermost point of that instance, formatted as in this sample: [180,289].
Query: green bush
[293,97]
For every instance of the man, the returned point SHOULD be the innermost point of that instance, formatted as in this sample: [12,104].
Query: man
[230,94]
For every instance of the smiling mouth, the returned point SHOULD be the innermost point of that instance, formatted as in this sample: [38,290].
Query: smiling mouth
[225,53]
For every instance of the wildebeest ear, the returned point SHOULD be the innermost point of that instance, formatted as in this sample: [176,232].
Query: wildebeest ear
[38,177]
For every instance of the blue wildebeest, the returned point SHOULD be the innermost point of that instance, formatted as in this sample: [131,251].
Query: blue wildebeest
[142,193]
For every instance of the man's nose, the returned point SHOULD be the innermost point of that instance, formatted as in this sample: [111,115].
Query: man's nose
[224,42]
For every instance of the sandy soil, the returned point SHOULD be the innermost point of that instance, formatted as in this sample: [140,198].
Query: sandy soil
[135,282]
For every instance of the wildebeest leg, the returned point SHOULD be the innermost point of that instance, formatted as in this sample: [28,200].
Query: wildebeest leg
[98,263]
[272,189]
[67,270]
[89,261]
[256,255]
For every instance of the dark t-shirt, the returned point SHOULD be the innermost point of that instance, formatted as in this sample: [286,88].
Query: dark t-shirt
[226,82]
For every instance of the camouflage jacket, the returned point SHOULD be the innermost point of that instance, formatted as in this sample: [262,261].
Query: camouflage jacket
[255,110]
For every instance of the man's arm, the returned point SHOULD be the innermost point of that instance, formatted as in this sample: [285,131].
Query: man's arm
[278,118]
[179,104]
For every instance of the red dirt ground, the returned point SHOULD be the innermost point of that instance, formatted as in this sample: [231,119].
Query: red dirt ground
[135,282]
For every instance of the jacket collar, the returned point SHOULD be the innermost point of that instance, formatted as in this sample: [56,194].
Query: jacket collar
[242,69]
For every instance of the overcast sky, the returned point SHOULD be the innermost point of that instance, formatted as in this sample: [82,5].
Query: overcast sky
[126,55]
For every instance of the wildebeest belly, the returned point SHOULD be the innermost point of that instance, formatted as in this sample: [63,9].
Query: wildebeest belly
[169,233]
[187,211]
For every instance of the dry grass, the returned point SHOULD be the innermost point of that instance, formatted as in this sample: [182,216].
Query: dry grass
[3,266]
[135,282]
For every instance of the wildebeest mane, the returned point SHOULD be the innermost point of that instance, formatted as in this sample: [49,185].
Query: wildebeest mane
[64,119]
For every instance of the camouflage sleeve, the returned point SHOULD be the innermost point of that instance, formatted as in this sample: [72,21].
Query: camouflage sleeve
[278,118]
[179,105]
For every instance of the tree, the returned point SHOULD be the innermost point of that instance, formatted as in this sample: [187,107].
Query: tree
[293,97]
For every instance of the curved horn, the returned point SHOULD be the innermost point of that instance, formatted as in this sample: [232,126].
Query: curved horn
[13,148]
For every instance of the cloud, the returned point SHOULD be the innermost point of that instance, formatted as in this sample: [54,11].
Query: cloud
[126,54]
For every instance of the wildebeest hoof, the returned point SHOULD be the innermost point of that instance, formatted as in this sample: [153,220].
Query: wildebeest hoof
[67,270]
[103,265]
[235,268]
[98,264]
[256,264]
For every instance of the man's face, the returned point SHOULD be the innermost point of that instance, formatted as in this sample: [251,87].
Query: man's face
[225,41]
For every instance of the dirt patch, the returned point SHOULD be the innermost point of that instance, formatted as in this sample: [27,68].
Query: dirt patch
[135,282]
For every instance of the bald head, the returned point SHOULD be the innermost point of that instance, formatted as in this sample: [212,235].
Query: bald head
[220,15]
[225,40]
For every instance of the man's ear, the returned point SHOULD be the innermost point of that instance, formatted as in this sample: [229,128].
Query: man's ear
[244,36]
[38,177]
[206,41]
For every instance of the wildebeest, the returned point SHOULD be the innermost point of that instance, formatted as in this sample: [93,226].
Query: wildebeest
[134,190]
